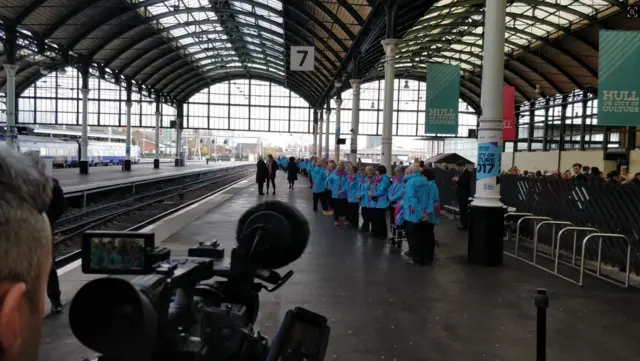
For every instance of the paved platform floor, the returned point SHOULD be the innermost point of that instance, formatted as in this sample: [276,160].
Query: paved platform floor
[70,177]
[382,308]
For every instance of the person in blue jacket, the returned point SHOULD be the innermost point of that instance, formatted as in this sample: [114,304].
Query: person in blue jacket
[337,184]
[396,190]
[381,198]
[434,217]
[353,204]
[367,205]
[417,204]
[319,176]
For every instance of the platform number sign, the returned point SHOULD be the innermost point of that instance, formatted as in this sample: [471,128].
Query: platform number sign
[302,58]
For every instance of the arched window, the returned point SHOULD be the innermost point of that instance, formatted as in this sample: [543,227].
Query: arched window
[408,109]
[249,105]
[56,99]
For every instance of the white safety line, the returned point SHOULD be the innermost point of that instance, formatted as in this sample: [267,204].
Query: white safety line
[75,264]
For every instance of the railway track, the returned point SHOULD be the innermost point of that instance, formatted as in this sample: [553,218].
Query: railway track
[136,213]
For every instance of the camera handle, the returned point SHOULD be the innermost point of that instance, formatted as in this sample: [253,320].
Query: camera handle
[541,301]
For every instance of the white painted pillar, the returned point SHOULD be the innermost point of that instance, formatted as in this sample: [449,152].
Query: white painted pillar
[156,161]
[355,121]
[316,119]
[321,118]
[336,155]
[84,141]
[390,47]
[490,130]
[128,141]
[10,131]
[326,135]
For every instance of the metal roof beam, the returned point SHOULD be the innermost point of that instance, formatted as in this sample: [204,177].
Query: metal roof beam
[352,11]
[310,18]
[478,56]
[375,17]
[336,20]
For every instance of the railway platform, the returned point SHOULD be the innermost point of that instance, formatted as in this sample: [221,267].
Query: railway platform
[382,308]
[100,177]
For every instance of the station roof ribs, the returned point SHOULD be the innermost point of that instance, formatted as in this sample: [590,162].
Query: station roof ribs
[177,48]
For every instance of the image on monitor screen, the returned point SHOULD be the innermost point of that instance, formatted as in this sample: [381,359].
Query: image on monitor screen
[117,253]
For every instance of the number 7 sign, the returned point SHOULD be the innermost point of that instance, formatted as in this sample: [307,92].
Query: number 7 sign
[302,58]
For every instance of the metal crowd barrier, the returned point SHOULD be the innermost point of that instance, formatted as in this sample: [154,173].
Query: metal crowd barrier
[555,248]
[553,237]
[597,273]
[575,245]
[507,224]
[517,240]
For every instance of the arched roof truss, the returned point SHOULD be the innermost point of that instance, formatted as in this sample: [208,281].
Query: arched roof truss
[175,48]
[550,45]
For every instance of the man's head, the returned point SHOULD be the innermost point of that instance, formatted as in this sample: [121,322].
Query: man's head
[460,166]
[577,168]
[25,254]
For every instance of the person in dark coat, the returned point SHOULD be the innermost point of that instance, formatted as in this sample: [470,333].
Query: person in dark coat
[292,172]
[262,173]
[463,191]
[57,207]
[272,167]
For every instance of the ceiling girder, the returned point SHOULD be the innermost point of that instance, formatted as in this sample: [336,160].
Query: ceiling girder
[478,56]
[566,30]
[336,20]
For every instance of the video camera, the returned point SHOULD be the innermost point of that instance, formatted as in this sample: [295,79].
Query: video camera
[191,308]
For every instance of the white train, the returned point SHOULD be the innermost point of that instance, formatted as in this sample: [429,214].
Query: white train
[66,153]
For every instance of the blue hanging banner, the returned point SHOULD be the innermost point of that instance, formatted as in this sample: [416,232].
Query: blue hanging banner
[488,160]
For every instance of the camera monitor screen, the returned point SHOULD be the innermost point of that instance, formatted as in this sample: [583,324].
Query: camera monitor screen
[117,252]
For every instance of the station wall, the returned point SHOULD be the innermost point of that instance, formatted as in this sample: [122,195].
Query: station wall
[548,161]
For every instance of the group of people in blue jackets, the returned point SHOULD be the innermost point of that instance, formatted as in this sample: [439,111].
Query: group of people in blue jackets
[410,198]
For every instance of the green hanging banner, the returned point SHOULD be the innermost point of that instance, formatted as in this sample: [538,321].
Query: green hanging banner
[618,78]
[443,94]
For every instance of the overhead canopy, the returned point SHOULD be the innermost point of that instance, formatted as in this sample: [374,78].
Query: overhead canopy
[176,48]
[448,158]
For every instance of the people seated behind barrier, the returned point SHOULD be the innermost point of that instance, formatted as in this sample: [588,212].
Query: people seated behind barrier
[396,190]
[292,172]
[25,254]
[418,203]
[318,189]
[337,184]
[353,189]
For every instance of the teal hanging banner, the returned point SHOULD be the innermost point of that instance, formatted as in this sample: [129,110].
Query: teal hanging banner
[443,94]
[618,78]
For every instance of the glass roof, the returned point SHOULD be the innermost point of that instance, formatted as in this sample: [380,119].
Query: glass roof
[229,35]
[452,30]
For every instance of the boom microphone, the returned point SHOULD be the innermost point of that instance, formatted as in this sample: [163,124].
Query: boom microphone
[282,233]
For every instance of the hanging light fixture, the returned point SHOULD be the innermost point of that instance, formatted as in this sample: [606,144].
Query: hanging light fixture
[406,85]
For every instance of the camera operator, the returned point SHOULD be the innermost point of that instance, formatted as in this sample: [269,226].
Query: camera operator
[25,254]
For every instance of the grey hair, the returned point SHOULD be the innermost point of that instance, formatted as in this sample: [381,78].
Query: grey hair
[368,168]
[25,193]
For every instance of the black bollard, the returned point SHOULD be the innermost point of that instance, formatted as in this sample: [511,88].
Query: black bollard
[542,303]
